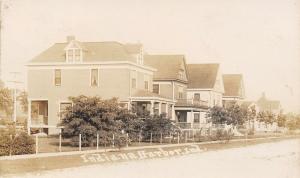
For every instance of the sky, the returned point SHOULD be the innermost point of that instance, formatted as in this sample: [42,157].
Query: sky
[257,38]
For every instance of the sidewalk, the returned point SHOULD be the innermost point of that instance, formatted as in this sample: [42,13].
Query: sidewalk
[48,161]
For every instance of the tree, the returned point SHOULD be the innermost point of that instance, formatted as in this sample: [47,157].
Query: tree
[237,115]
[23,98]
[281,120]
[6,103]
[267,117]
[218,115]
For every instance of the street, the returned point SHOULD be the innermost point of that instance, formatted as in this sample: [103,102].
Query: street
[274,160]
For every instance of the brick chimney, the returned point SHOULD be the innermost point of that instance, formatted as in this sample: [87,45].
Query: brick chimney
[70,38]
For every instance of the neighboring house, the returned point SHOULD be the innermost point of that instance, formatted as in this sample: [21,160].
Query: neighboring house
[171,80]
[234,89]
[265,104]
[105,69]
[205,85]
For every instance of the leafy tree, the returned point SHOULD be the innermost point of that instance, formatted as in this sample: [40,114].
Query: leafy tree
[6,104]
[281,120]
[23,98]
[237,115]
[218,115]
[267,117]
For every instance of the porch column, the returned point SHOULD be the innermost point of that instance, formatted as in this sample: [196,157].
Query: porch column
[192,117]
[167,109]
[29,117]
[173,112]
[151,107]
[159,108]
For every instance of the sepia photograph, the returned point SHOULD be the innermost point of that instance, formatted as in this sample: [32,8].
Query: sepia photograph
[150,89]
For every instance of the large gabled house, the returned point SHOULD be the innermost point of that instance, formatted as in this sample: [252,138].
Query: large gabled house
[171,81]
[234,89]
[106,69]
[206,83]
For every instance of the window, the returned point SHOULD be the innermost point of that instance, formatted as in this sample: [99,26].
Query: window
[133,82]
[146,85]
[156,88]
[63,107]
[181,74]
[77,55]
[74,55]
[196,117]
[180,93]
[197,96]
[94,77]
[57,79]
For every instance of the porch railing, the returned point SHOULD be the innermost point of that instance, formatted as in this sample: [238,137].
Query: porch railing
[191,102]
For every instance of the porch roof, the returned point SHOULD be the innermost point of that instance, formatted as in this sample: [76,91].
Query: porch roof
[143,95]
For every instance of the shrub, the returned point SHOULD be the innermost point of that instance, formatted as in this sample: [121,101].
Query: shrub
[17,144]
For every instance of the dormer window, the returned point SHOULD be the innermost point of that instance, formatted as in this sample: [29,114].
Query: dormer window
[74,55]
[73,50]
[181,74]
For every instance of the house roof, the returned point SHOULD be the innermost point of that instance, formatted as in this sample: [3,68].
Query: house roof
[144,93]
[92,51]
[168,66]
[233,85]
[202,75]
[265,104]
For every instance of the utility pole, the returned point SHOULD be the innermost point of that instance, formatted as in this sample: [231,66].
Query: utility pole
[15,95]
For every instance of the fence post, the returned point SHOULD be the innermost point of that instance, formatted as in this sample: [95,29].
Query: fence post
[113,141]
[177,137]
[160,138]
[59,148]
[140,137]
[79,142]
[193,135]
[10,136]
[151,138]
[170,138]
[36,144]
[185,137]
[127,138]
[97,141]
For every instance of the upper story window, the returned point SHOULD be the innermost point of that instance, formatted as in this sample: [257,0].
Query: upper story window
[94,77]
[146,82]
[74,55]
[133,83]
[180,93]
[57,77]
[146,85]
[197,96]
[156,88]
[196,117]
[133,79]
[181,74]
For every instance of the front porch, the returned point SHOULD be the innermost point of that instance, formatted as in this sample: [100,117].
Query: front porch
[147,103]
[191,114]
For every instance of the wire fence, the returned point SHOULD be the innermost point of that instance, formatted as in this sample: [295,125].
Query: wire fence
[58,143]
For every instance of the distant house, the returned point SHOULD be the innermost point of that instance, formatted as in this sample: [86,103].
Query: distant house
[234,89]
[265,104]
[171,81]
[206,83]
[106,69]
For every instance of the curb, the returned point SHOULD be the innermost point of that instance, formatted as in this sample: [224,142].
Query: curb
[42,155]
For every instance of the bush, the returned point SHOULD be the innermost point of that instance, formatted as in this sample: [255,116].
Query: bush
[221,134]
[15,144]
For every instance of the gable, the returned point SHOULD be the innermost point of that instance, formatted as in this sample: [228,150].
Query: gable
[169,67]
[234,85]
[202,76]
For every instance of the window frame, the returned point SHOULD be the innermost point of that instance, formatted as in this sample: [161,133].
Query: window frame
[91,73]
[60,108]
[194,121]
[158,88]
[55,77]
